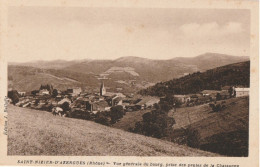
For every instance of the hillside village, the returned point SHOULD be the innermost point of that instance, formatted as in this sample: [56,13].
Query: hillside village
[158,116]
[47,97]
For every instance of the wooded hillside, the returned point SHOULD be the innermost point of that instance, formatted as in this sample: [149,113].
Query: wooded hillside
[214,79]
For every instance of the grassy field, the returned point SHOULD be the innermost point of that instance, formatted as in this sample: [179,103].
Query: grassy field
[224,132]
[129,120]
[33,132]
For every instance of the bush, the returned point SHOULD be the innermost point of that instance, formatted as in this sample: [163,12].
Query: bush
[81,114]
[155,123]
[14,96]
[54,93]
[101,118]
[218,97]
[65,106]
[217,107]
[116,113]
[138,128]
[193,138]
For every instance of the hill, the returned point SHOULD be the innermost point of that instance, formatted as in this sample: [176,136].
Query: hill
[151,70]
[32,132]
[119,73]
[214,79]
[24,78]
[224,132]
[54,64]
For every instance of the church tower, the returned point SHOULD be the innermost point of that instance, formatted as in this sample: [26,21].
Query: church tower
[102,89]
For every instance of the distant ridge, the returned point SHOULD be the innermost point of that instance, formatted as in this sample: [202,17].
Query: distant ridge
[206,55]
[143,71]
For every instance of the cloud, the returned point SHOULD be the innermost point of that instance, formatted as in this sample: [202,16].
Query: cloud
[211,29]
[79,40]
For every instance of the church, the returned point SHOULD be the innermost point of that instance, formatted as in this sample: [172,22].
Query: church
[102,89]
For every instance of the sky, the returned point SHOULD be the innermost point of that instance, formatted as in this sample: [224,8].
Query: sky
[72,33]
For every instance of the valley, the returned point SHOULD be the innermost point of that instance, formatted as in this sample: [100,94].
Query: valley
[200,102]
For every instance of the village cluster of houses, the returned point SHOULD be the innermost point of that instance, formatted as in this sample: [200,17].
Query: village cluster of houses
[80,100]
[104,100]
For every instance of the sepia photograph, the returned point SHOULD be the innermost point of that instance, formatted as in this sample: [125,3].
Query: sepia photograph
[127,81]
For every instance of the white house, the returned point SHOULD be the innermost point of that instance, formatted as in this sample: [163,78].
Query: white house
[44,92]
[182,98]
[22,93]
[239,92]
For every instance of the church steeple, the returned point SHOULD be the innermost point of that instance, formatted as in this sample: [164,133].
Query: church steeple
[102,89]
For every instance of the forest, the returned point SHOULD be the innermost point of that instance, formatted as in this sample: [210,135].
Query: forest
[237,74]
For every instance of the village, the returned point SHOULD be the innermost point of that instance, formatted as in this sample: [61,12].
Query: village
[77,103]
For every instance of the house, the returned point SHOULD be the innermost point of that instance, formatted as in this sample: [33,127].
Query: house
[97,106]
[58,97]
[182,98]
[53,102]
[116,101]
[119,89]
[64,100]
[44,92]
[210,92]
[224,93]
[22,94]
[147,102]
[239,92]
[111,94]
[74,91]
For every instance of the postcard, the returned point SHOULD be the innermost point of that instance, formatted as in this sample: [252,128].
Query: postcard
[129,83]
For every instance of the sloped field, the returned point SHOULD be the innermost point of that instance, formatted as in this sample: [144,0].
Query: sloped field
[224,132]
[33,132]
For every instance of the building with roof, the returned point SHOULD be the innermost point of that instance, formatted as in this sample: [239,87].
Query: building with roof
[22,94]
[74,91]
[240,92]
[147,102]
[64,100]
[44,92]
[182,98]
[97,106]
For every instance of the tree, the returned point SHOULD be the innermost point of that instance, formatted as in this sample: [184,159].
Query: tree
[155,123]
[14,96]
[116,113]
[218,97]
[193,138]
[216,107]
[102,119]
[138,127]
[65,106]
[165,106]
[34,92]
[54,93]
